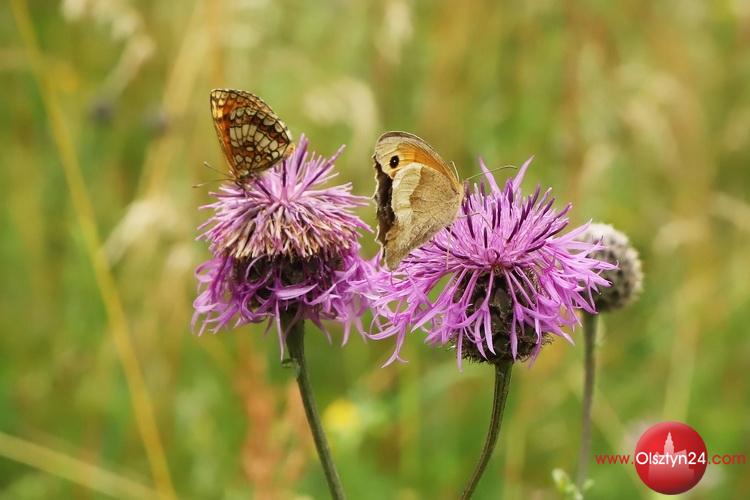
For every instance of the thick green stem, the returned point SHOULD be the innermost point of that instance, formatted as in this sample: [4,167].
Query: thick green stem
[589,371]
[296,345]
[502,383]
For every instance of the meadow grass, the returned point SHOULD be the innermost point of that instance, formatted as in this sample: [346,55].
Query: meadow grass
[638,113]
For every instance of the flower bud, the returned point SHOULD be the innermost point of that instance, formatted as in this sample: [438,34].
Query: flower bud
[627,279]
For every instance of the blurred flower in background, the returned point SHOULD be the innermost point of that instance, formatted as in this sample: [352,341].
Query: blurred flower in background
[283,245]
[511,280]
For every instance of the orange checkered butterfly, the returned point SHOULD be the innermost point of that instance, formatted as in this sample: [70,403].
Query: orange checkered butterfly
[252,136]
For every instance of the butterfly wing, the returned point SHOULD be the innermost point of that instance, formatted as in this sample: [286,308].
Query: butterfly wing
[409,149]
[424,202]
[252,136]
[418,194]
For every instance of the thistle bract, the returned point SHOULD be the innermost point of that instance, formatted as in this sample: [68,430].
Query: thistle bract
[627,278]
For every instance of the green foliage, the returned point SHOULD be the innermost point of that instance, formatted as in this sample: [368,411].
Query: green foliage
[638,112]
[567,487]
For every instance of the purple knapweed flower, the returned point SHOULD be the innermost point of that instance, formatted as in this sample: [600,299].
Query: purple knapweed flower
[283,245]
[502,276]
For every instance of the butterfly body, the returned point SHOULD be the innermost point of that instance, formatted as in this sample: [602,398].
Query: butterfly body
[418,194]
[253,138]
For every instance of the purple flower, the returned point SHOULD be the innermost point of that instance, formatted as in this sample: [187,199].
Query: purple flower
[502,276]
[283,245]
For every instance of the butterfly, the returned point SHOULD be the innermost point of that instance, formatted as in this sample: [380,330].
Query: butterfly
[418,194]
[252,136]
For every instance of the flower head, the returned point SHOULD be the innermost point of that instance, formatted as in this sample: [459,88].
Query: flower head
[503,274]
[283,245]
[627,278]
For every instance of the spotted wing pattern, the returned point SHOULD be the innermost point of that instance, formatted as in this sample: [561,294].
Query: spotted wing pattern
[253,138]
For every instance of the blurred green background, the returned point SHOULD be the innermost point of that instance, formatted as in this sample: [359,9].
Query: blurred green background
[638,113]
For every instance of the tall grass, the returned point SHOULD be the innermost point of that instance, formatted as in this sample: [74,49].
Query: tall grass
[639,113]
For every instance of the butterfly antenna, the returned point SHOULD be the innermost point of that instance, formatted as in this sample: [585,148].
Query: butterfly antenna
[220,179]
[209,182]
[475,213]
[455,170]
[208,166]
[490,171]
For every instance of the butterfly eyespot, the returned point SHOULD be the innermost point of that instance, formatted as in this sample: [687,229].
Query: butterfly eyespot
[394,161]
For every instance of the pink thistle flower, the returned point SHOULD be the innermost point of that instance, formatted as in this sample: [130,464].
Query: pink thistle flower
[283,245]
[504,276]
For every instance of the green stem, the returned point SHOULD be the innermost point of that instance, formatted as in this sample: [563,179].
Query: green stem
[502,383]
[296,345]
[589,370]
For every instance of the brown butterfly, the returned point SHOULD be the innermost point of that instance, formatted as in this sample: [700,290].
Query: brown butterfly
[418,194]
[252,136]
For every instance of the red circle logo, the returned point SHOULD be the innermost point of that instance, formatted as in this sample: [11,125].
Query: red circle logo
[670,457]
